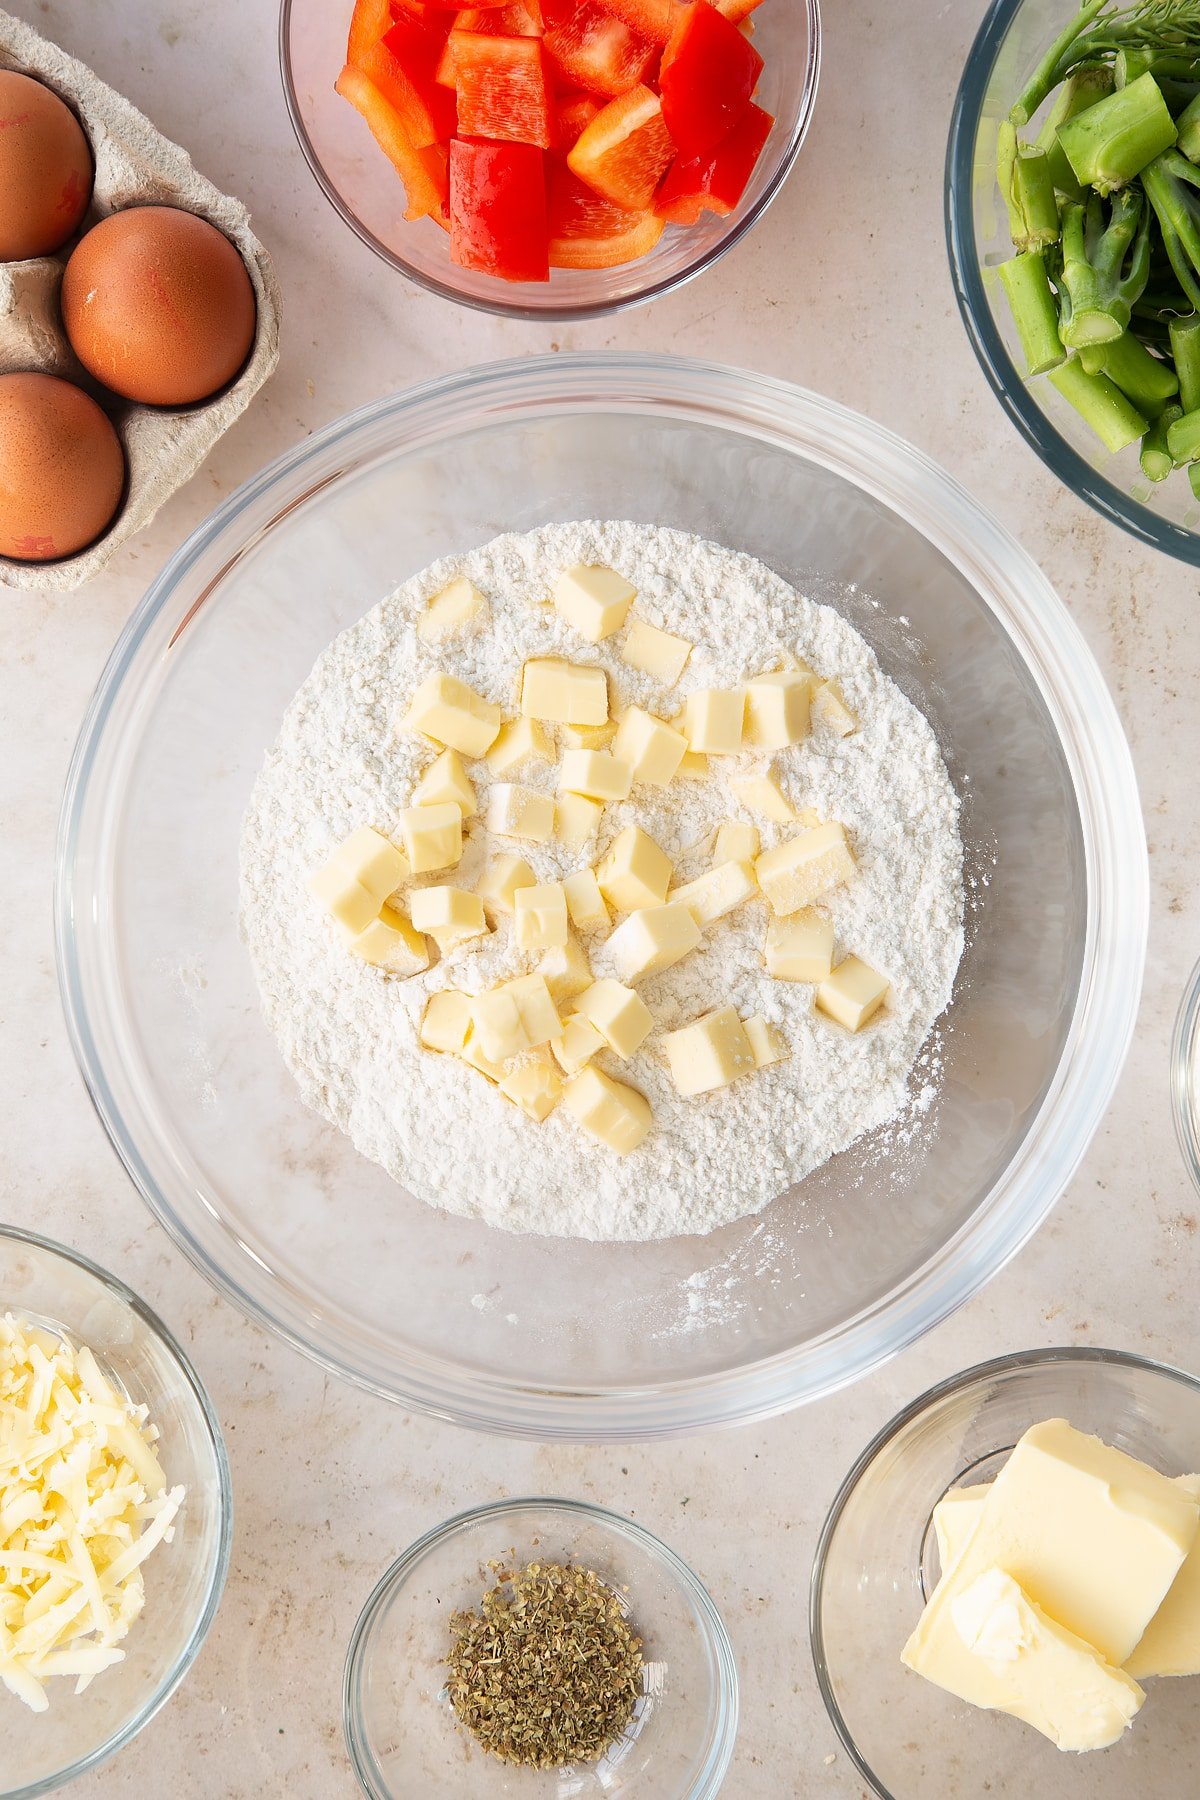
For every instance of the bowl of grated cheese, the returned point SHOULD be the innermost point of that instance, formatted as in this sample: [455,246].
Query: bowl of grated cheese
[115,1515]
[708,1318]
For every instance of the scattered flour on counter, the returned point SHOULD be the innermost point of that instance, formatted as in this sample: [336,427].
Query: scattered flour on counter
[348,1032]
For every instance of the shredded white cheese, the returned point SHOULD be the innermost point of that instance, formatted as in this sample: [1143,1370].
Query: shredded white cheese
[83,1502]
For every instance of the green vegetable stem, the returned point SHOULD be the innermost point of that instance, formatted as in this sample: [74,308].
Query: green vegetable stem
[1185,351]
[1028,189]
[1156,460]
[1081,90]
[1183,439]
[1145,379]
[1113,141]
[1101,404]
[1187,126]
[1170,182]
[1105,267]
[1034,311]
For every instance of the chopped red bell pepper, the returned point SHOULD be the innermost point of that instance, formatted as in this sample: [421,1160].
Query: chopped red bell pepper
[653,20]
[503,89]
[404,68]
[368,22]
[709,73]
[518,20]
[498,210]
[572,114]
[716,180]
[593,50]
[737,10]
[423,171]
[588,232]
[626,150]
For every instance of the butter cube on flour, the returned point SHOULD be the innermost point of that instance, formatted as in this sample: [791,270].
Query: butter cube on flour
[853,993]
[566,970]
[539,1014]
[520,812]
[652,749]
[446,1022]
[564,692]
[620,1016]
[777,709]
[715,893]
[651,940]
[736,843]
[593,600]
[799,947]
[829,706]
[500,881]
[713,719]
[449,611]
[356,880]
[709,1054]
[578,1044]
[450,915]
[432,837]
[451,713]
[594,773]
[519,742]
[540,915]
[497,1025]
[587,737]
[576,819]
[762,794]
[766,1043]
[389,942]
[535,1088]
[804,868]
[635,872]
[446,783]
[655,652]
[585,902]
[608,1110]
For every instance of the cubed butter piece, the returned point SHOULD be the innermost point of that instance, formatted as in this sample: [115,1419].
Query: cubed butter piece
[736,843]
[1170,1644]
[608,1110]
[766,1042]
[585,902]
[693,767]
[520,812]
[710,1053]
[539,1015]
[540,915]
[446,1022]
[578,1044]
[799,947]
[576,819]
[853,994]
[496,1025]
[762,794]
[587,737]
[451,713]
[564,692]
[593,600]
[450,611]
[389,942]
[567,971]
[473,1052]
[652,749]
[829,706]
[651,940]
[500,881]
[356,880]
[535,1088]
[450,915]
[777,709]
[655,652]
[635,872]
[446,783]
[804,868]
[715,893]
[713,719]
[620,1016]
[519,742]
[432,837]
[597,774]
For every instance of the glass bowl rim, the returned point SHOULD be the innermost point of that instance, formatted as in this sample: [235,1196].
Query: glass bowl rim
[118,1740]
[553,314]
[908,1414]
[708,1782]
[1003,376]
[1092,741]
[1185,1047]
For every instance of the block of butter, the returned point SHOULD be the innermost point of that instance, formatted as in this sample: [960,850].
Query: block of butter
[1091,1536]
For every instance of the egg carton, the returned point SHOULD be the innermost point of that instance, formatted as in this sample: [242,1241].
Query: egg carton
[135,165]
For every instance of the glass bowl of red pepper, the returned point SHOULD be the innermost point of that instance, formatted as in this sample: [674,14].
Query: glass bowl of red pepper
[550,158]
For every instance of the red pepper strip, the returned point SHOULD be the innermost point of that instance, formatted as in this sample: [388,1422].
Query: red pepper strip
[593,50]
[503,89]
[368,22]
[572,114]
[498,210]
[625,151]
[587,232]
[737,10]
[715,181]
[653,20]
[423,171]
[510,20]
[403,68]
[709,72]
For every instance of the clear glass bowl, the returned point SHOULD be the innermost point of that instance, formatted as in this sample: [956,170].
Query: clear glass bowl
[49,1285]
[402,1733]
[558,1338]
[1010,42]
[877,1563]
[1185,1075]
[359,182]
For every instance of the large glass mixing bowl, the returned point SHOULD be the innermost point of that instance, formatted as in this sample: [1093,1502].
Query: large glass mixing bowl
[562,1338]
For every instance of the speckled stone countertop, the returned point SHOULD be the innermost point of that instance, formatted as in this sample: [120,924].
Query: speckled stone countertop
[330,1483]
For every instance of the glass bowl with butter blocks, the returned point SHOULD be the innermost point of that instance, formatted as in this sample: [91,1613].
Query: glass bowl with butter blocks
[447,1670]
[1006,1593]
[115,1515]
[560,1335]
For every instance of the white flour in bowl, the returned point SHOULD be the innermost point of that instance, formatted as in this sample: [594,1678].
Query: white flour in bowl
[349,1032]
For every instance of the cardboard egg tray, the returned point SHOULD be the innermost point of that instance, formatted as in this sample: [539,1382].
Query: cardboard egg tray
[135,165]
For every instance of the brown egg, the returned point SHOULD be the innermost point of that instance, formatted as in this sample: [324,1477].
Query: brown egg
[62,469]
[158,306]
[45,169]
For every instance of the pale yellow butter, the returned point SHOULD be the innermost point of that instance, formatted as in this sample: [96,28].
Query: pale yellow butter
[564,692]
[578,1044]
[617,1115]
[450,915]
[585,902]
[356,880]
[593,600]
[389,942]
[804,868]
[635,872]
[766,1043]
[736,843]
[713,719]
[497,1026]
[446,783]
[652,749]
[655,652]
[710,1053]
[540,916]
[518,742]
[693,767]
[587,737]
[520,812]
[446,1022]
[762,794]
[535,1088]
[715,893]
[450,611]
[567,971]
[473,1053]
[596,774]
[451,713]
[853,994]
[432,837]
[777,709]
[652,939]
[576,819]
[621,1017]
[500,881]
[799,947]
[539,1014]
[829,706]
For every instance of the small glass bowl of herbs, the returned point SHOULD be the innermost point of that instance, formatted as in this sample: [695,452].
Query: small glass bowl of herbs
[540,1648]
[1073,217]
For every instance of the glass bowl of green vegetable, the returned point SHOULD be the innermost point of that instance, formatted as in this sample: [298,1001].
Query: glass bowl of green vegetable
[542,1648]
[1073,223]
